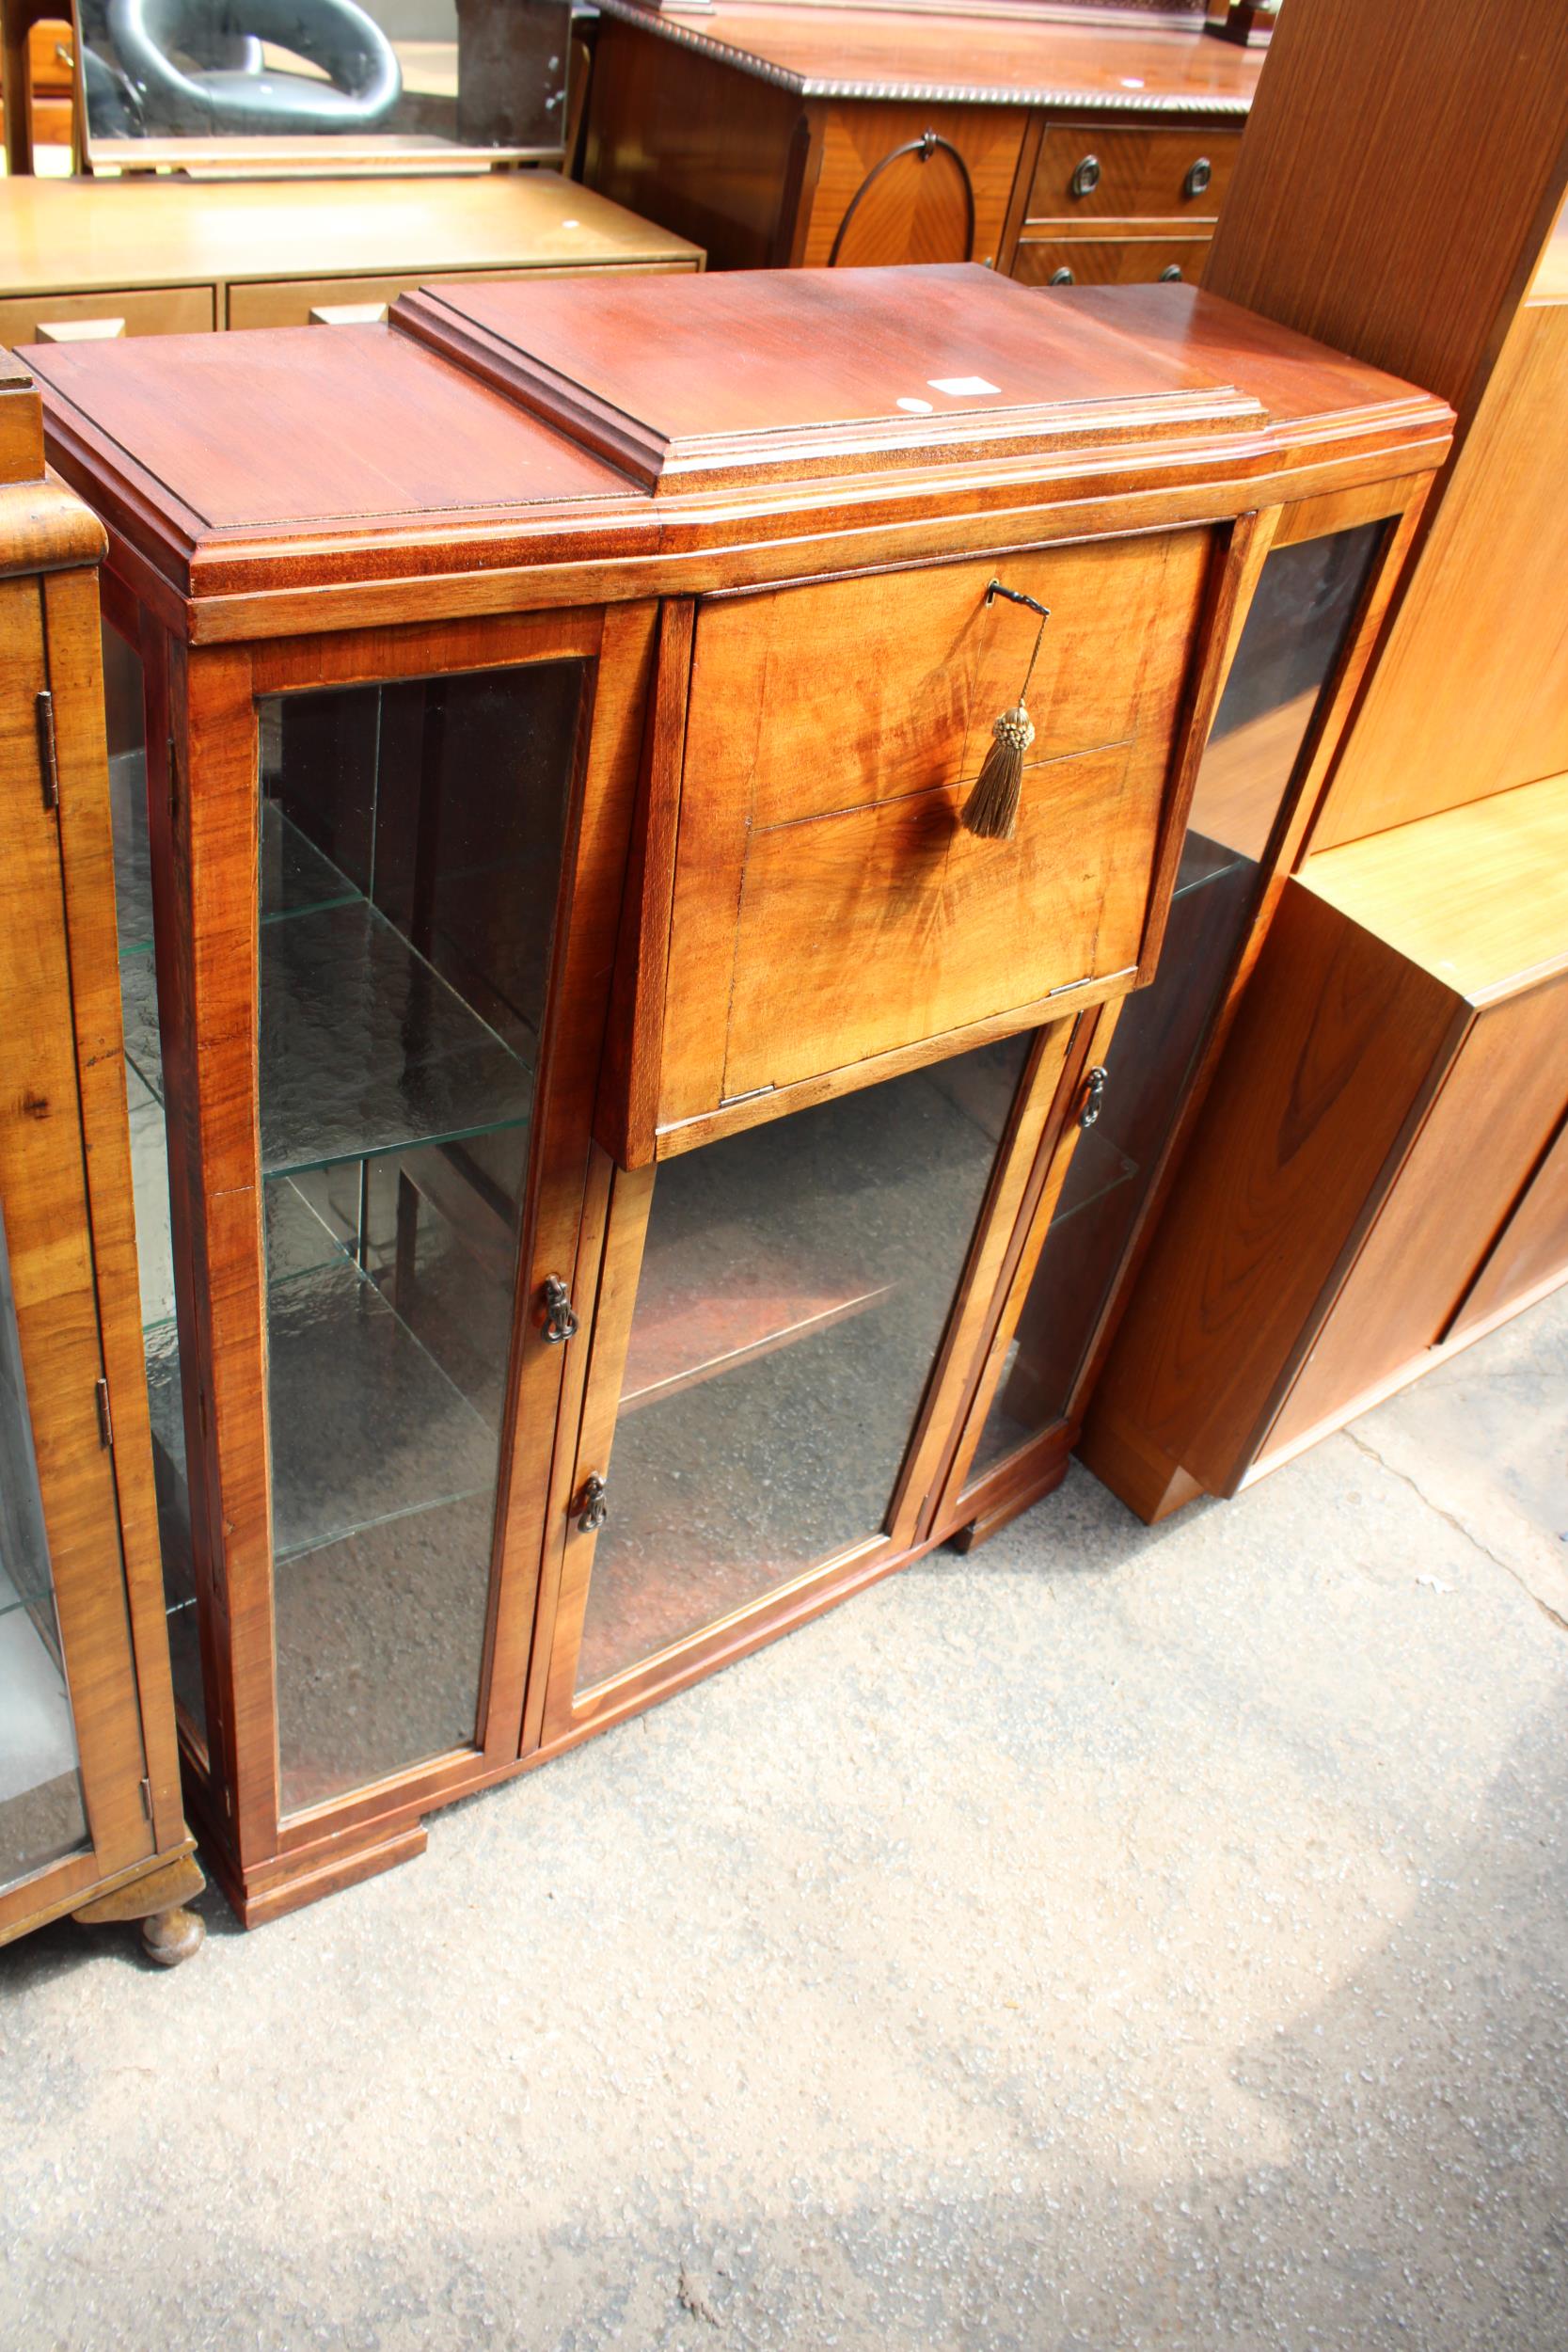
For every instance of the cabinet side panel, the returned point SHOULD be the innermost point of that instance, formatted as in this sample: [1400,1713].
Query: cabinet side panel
[1366,180]
[691,143]
[1331,1052]
[1530,1251]
[1470,696]
[1486,1129]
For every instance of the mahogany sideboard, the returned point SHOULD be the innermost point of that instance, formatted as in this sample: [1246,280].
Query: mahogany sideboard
[1064,153]
[91,1819]
[613,1102]
[85,260]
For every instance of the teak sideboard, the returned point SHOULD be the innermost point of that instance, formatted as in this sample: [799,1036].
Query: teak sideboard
[1062,152]
[614,1105]
[86,261]
[90,1818]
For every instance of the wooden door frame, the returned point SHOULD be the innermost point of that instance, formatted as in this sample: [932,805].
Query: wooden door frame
[615,1231]
[206,925]
[971,1511]
[47,1196]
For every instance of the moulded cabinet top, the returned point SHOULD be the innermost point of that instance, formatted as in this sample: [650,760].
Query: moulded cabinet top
[728,379]
[628,437]
[306,426]
[1007,58]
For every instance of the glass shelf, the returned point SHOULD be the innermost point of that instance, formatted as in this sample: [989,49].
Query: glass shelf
[296,877]
[366,1427]
[365,1048]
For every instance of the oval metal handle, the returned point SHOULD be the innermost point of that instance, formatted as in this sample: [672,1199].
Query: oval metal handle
[1198,177]
[1061,278]
[1170,274]
[1085,178]
[561,1321]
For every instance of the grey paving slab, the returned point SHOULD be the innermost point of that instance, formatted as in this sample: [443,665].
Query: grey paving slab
[1112,1939]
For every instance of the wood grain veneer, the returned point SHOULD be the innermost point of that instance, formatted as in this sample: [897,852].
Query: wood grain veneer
[706,491]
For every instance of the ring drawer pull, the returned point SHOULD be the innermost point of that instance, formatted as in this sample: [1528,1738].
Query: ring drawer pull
[991,809]
[1198,177]
[1086,179]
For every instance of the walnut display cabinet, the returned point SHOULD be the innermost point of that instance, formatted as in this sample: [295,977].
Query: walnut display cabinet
[90,1818]
[613,1102]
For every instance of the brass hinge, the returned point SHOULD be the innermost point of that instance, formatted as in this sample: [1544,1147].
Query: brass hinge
[106,1419]
[49,759]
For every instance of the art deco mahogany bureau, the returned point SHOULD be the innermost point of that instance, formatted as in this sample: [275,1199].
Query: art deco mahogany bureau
[615,1086]
[90,1818]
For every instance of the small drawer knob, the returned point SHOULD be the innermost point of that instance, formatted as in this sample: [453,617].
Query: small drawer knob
[1086,179]
[1169,274]
[1060,278]
[1198,177]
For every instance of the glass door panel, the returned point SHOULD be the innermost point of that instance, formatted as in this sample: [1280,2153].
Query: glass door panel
[1307,599]
[41,1813]
[413,839]
[796,1283]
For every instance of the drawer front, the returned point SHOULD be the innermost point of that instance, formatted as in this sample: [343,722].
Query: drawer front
[139,310]
[293,301]
[1088,170]
[1110,260]
[829,907]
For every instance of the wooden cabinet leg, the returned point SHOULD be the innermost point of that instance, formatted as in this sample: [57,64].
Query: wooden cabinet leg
[171,1934]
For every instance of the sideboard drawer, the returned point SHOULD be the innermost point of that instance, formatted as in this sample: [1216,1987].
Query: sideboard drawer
[1109,261]
[137,310]
[829,907]
[1098,171]
[303,301]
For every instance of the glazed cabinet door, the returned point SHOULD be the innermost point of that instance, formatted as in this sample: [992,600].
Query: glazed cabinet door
[382,918]
[1303,615]
[73,1802]
[782,1317]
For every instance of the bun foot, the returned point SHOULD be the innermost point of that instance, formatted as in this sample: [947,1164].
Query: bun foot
[170,1936]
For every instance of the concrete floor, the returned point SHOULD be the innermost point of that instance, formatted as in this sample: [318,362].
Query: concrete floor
[1116,1939]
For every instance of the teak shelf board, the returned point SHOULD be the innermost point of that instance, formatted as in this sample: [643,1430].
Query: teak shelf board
[871,53]
[1477,896]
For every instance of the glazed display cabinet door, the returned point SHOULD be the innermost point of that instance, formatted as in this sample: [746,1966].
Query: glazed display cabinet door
[773,1328]
[72,1759]
[370,942]
[1304,610]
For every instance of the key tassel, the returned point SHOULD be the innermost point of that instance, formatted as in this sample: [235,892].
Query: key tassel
[991,809]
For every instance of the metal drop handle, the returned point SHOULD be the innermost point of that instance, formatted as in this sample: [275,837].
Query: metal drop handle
[561,1321]
[593,1509]
[1094,1095]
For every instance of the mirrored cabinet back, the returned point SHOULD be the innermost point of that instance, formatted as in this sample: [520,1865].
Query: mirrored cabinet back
[685,847]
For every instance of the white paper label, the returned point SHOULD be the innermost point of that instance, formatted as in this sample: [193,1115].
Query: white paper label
[961,387]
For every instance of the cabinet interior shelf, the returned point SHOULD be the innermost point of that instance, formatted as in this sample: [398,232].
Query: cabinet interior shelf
[365,1048]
